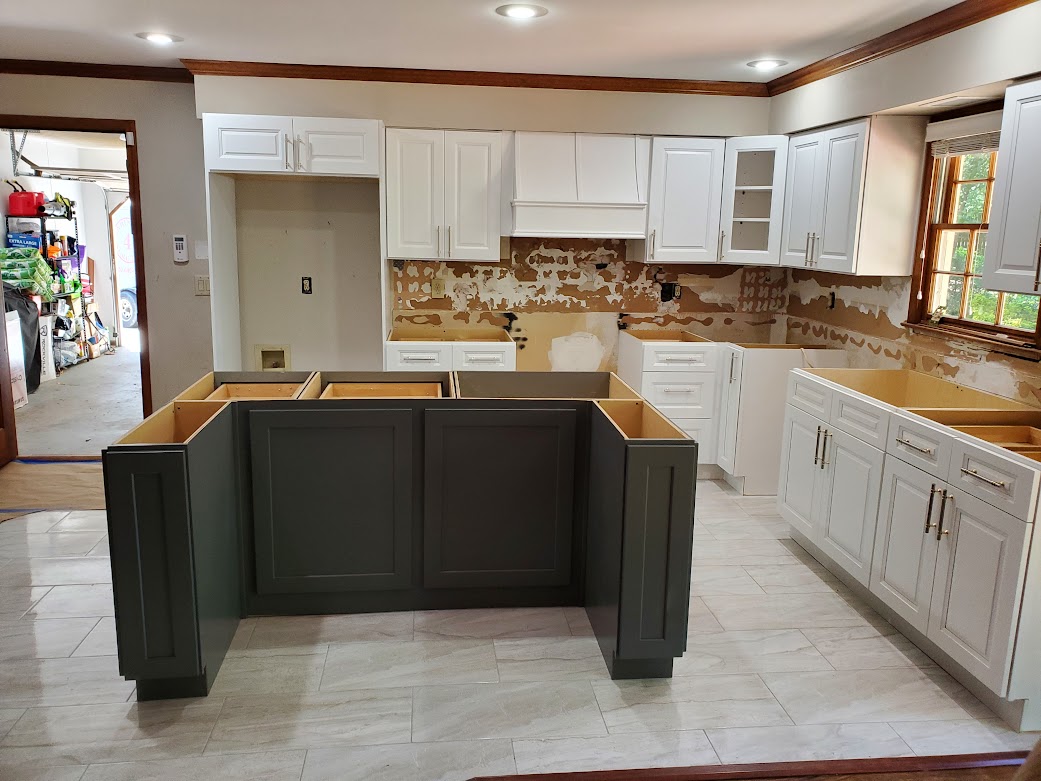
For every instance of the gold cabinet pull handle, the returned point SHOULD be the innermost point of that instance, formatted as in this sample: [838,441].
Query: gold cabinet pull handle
[929,510]
[722,237]
[927,450]
[987,480]
[817,447]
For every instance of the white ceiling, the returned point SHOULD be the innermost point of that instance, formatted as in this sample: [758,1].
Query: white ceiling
[688,39]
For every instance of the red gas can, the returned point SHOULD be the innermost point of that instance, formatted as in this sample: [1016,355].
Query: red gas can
[25,204]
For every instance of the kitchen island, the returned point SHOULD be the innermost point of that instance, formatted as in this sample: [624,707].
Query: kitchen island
[335,492]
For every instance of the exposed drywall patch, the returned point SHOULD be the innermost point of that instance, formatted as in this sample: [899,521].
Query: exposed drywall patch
[577,352]
[878,296]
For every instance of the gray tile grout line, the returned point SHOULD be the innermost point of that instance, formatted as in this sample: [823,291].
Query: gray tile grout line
[81,642]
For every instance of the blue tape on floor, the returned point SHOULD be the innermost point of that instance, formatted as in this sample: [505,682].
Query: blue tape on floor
[58,460]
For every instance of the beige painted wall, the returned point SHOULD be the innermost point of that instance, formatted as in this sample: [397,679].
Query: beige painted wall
[173,201]
[1004,47]
[486,108]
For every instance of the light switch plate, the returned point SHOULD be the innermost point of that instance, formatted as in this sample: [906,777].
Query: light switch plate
[202,285]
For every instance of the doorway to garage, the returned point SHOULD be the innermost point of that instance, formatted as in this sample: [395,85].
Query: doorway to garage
[73,297]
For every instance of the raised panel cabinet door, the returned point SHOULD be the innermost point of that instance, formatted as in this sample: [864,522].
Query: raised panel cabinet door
[415,194]
[978,587]
[905,541]
[730,406]
[332,499]
[754,170]
[686,193]
[797,493]
[1013,257]
[499,497]
[473,176]
[849,502]
[246,142]
[804,158]
[347,147]
[838,196]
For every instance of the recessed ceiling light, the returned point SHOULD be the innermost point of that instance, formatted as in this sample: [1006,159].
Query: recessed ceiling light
[160,39]
[766,65]
[521,11]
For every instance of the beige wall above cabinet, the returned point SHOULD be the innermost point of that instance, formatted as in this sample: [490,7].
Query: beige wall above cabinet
[1013,258]
[305,145]
[443,194]
[852,195]
[579,185]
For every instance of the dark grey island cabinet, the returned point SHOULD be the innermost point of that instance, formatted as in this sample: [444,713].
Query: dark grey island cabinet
[347,493]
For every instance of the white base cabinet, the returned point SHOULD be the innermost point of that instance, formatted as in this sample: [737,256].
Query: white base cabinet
[429,355]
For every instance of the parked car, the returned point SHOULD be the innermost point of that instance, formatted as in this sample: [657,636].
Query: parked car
[128,307]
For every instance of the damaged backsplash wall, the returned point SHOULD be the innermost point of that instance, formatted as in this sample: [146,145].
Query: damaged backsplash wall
[866,321]
[556,294]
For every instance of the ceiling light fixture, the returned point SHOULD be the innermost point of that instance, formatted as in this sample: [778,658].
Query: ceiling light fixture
[766,65]
[521,11]
[160,39]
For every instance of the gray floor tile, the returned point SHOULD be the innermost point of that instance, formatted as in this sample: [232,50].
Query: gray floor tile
[412,663]
[16,601]
[749,651]
[8,717]
[411,762]
[794,578]
[83,521]
[75,602]
[492,624]
[867,648]
[550,659]
[968,736]
[700,619]
[86,681]
[268,766]
[287,674]
[782,612]
[680,748]
[290,631]
[42,639]
[709,580]
[70,773]
[742,553]
[101,641]
[33,523]
[48,544]
[505,710]
[578,621]
[60,571]
[751,745]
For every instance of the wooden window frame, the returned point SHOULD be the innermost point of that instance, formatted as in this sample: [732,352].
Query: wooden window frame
[934,176]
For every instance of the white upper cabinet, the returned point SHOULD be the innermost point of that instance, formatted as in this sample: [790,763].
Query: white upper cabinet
[308,145]
[443,191]
[579,185]
[753,199]
[852,196]
[415,193]
[686,193]
[1013,258]
[343,147]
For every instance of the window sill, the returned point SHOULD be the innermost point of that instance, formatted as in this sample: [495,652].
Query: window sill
[996,344]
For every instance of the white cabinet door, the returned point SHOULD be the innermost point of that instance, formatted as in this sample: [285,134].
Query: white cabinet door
[905,541]
[244,142]
[804,158]
[849,502]
[686,192]
[754,170]
[345,147]
[415,193]
[473,173]
[729,405]
[1014,240]
[800,471]
[977,587]
[837,198]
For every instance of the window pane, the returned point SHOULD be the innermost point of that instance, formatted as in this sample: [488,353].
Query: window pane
[969,202]
[952,251]
[975,166]
[979,252]
[947,290]
[983,304]
[1020,311]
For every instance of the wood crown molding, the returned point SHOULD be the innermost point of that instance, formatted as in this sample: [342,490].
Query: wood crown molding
[946,21]
[92,70]
[275,70]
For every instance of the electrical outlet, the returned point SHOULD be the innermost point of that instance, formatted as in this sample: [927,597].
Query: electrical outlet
[437,288]
[202,285]
[305,286]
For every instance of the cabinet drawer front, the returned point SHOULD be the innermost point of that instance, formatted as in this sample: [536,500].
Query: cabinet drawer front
[859,418]
[994,478]
[681,394]
[418,356]
[702,431]
[810,395]
[677,357]
[485,357]
[920,445]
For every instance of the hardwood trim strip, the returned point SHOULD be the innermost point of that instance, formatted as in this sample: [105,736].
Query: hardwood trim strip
[776,770]
[92,70]
[275,70]
[946,21]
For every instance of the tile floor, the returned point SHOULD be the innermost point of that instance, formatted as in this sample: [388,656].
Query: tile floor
[783,664]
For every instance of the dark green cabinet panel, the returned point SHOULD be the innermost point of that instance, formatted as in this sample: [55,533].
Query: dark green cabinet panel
[153,578]
[499,499]
[332,499]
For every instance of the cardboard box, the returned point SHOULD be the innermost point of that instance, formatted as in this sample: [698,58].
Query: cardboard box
[16,355]
[47,371]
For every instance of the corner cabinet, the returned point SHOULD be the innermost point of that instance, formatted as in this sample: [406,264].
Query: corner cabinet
[844,185]
[1013,258]
[328,146]
[443,194]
